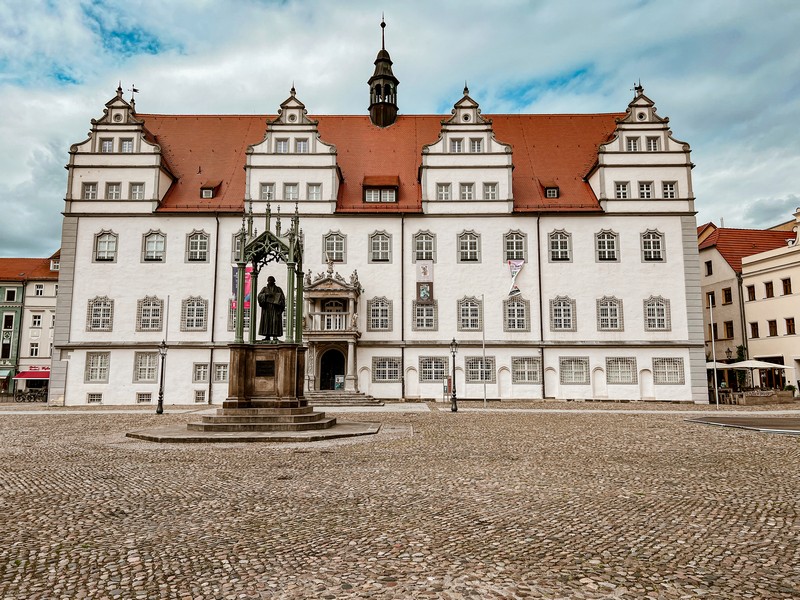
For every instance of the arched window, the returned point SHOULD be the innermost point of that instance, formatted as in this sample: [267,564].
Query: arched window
[334,247]
[100,314]
[516,312]
[562,314]
[149,311]
[653,246]
[154,246]
[560,246]
[609,314]
[424,246]
[105,246]
[380,314]
[656,314]
[607,246]
[197,247]
[469,247]
[470,316]
[194,314]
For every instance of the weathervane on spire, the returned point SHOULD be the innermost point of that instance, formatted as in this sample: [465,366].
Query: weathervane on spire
[383,32]
[133,90]
[637,87]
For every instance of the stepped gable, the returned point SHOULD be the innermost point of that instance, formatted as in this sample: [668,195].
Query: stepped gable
[547,150]
[735,244]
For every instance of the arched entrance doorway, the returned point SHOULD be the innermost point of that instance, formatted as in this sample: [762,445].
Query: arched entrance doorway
[330,365]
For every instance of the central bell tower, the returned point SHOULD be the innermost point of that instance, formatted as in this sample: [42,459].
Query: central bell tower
[383,87]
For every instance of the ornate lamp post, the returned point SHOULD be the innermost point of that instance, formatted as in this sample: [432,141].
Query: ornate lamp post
[454,351]
[728,353]
[162,350]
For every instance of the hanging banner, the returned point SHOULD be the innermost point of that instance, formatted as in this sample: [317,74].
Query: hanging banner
[515,266]
[247,284]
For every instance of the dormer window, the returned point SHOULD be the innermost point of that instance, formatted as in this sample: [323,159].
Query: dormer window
[456,145]
[380,188]
[551,192]
[209,189]
[55,265]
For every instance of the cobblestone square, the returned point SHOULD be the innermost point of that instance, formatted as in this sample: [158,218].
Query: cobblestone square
[476,504]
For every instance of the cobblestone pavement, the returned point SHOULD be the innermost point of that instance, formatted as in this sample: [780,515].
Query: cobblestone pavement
[500,504]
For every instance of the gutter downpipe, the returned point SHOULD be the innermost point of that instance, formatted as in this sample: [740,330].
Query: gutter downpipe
[739,282]
[213,314]
[402,307]
[541,308]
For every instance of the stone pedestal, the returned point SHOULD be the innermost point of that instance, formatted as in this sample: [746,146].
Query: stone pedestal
[262,373]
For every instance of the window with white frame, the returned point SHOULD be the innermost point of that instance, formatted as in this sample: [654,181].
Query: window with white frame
[34,349]
[573,370]
[149,311]
[144,397]
[479,370]
[516,314]
[470,314]
[301,145]
[232,316]
[560,246]
[236,246]
[372,195]
[113,191]
[89,191]
[11,295]
[291,191]
[443,191]
[137,191]
[380,314]
[551,192]
[562,314]
[126,145]
[385,369]
[282,146]
[652,144]
[105,246]
[94,398]
[194,312]
[669,189]
[433,368]
[656,314]
[97,365]
[100,314]
[425,316]
[668,371]
[621,190]
[154,246]
[106,145]
[645,189]
[490,191]
[514,245]
[457,145]
[424,246]
[315,191]
[380,247]
[36,320]
[197,247]
[653,246]
[333,244]
[607,246]
[475,145]
[200,373]
[609,314]
[621,370]
[467,191]
[266,191]
[388,195]
[632,144]
[220,372]
[145,367]
[526,369]
[38,289]
[469,247]
[199,396]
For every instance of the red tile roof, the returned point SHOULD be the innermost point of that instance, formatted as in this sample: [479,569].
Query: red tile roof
[735,244]
[547,150]
[26,269]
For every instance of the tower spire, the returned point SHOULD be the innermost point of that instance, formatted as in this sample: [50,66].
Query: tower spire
[383,87]
[383,33]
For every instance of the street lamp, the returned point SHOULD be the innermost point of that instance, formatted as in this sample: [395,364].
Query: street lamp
[728,353]
[454,351]
[162,350]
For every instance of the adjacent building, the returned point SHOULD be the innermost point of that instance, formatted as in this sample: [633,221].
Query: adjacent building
[559,251]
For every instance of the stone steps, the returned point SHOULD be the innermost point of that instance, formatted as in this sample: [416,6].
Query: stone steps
[340,398]
[264,418]
[322,423]
[255,412]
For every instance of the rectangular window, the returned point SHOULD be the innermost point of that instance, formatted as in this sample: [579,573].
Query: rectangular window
[514,246]
[621,190]
[199,396]
[424,246]
[52,321]
[773,328]
[106,145]
[751,292]
[424,316]
[137,191]
[8,322]
[467,191]
[290,191]
[380,248]
[606,246]
[38,289]
[34,349]
[490,191]
[668,371]
[754,330]
[574,370]
[200,373]
[727,296]
[334,247]
[372,195]
[36,320]
[551,192]
[94,398]
[301,146]
[790,326]
[711,300]
[314,191]
[457,145]
[89,191]
[96,367]
[380,315]
[559,246]
[443,191]
[632,144]
[769,291]
[621,370]
[282,146]
[198,247]
[145,367]
[126,145]
[709,268]
[469,315]
[469,248]
[516,315]
[787,286]
[266,191]
[728,325]
[712,332]
[144,397]
[388,195]
[113,191]
[193,317]
[11,295]
[433,368]
[645,189]
[652,144]
[385,369]
[476,145]
[479,370]
[526,369]
[670,189]
[221,372]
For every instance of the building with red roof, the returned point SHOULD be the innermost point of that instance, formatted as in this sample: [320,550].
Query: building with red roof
[565,245]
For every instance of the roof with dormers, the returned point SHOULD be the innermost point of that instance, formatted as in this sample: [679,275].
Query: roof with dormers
[27,269]
[548,150]
[735,244]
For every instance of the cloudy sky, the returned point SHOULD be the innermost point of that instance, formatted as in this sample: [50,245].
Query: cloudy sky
[726,73]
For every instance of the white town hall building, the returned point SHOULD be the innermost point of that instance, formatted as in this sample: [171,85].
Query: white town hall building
[413,228]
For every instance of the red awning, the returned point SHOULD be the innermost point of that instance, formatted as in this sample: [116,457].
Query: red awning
[33,375]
